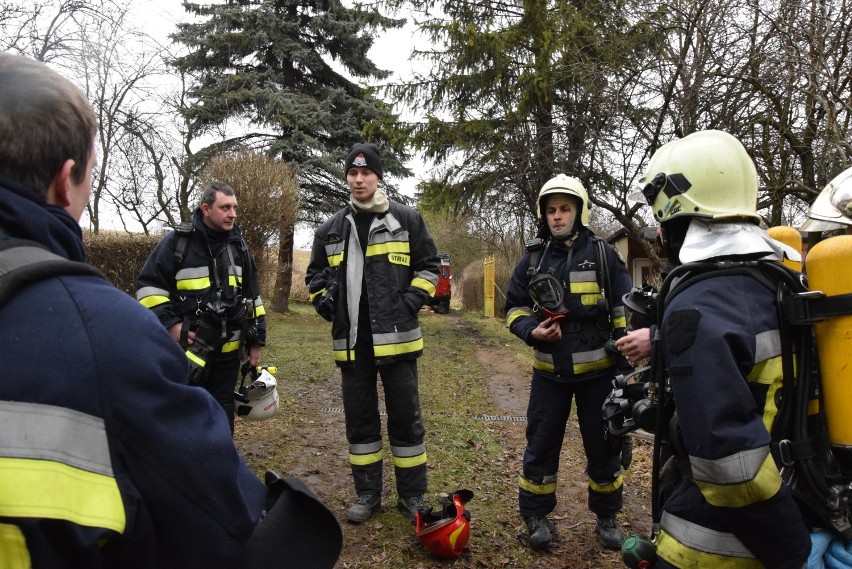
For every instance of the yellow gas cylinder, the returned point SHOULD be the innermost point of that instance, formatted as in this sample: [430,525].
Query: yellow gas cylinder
[789,236]
[830,271]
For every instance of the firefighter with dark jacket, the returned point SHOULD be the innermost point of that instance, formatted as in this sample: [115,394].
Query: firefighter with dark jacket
[373,265]
[108,458]
[202,284]
[724,503]
[564,300]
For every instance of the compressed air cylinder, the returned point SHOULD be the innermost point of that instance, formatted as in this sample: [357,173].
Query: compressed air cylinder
[829,270]
[788,236]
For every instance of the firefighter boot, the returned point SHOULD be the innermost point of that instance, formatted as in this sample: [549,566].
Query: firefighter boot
[609,532]
[540,530]
[363,508]
[410,505]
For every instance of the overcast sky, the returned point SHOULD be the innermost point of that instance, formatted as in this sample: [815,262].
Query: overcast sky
[390,52]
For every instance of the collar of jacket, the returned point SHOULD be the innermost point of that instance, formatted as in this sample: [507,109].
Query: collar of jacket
[25,216]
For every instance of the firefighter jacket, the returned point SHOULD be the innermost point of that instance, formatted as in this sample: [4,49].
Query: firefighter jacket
[591,321]
[215,273]
[107,457]
[721,343]
[399,270]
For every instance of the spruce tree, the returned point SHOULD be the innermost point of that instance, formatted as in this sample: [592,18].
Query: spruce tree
[295,72]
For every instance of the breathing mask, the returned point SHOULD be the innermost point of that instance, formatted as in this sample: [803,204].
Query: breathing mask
[548,294]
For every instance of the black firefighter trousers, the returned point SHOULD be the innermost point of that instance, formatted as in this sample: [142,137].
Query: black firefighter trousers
[547,416]
[221,381]
[404,423]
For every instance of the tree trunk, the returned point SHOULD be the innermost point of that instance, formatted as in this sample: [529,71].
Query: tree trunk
[284,278]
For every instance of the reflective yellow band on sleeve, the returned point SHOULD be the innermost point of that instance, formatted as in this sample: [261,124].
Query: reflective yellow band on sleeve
[334,260]
[13,548]
[425,285]
[152,301]
[764,485]
[195,359]
[47,489]
[517,313]
[344,355]
[687,544]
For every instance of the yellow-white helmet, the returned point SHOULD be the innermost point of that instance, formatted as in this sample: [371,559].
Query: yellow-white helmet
[258,400]
[562,184]
[707,174]
[832,209]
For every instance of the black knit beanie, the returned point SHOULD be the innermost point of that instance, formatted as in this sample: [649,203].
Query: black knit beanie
[364,155]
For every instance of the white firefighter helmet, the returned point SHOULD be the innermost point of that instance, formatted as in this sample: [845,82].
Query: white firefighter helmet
[562,184]
[258,400]
[706,174]
[832,209]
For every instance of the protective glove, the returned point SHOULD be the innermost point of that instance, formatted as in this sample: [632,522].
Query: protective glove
[839,554]
[820,541]
[413,301]
[325,305]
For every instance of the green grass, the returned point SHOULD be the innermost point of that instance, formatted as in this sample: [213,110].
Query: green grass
[464,451]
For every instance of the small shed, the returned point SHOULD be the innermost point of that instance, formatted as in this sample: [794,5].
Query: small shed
[639,266]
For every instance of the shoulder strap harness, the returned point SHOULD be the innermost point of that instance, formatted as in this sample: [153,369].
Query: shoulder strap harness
[800,439]
[184,231]
[23,262]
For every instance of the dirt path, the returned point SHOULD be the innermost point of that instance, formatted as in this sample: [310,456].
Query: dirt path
[575,544]
[318,429]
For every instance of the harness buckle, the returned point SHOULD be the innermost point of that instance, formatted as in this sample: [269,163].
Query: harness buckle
[785,454]
[799,310]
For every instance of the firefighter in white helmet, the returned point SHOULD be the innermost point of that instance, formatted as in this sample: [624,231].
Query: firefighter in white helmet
[565,301]
[832,209]
[725,504]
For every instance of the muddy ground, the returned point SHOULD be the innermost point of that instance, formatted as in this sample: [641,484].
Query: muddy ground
[323,465]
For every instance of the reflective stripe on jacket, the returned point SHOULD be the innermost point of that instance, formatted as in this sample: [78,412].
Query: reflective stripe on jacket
[400,259]
[588,325]
[173,293]
[723,355]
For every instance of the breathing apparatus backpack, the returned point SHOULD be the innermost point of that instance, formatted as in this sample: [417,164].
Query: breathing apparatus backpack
[812,433]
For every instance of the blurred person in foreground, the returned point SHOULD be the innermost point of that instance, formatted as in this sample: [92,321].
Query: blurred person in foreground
[108,458]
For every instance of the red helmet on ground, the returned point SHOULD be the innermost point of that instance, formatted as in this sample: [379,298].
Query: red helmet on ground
[446,535]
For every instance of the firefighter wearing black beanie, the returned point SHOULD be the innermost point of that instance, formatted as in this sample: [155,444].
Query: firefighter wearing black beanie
[373,266]
[364,155]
